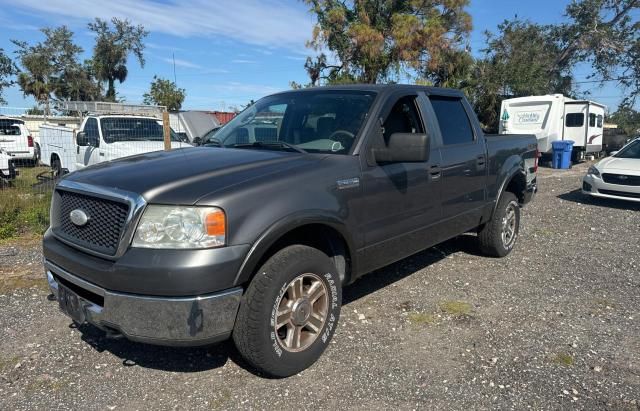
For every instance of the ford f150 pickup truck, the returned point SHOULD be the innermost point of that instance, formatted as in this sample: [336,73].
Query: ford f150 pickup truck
[302,194]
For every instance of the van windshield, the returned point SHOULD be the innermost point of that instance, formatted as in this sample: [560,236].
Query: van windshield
[326,121]
[132,129]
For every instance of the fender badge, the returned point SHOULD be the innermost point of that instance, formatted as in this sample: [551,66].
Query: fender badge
[348,183]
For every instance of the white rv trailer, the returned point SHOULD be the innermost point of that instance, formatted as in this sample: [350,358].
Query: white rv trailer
[555,117]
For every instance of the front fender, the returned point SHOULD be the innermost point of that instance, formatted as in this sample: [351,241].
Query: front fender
[283,226]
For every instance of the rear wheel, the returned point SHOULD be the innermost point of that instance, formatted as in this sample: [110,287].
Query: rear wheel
[498,237]
[289,311]
[56,167]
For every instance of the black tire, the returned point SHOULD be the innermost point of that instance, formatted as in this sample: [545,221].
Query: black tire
[490,237]
[56,167]
[255,334]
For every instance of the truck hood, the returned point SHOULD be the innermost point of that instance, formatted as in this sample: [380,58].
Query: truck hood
[184,176]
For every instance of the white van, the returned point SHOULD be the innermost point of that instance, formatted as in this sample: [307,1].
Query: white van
[101,138]
[556,117]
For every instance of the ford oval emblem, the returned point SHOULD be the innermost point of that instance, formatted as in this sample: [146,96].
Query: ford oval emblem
[79,217]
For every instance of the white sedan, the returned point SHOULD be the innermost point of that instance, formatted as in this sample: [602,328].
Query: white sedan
[617,176]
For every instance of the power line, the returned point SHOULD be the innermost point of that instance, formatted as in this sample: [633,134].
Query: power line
[604,81]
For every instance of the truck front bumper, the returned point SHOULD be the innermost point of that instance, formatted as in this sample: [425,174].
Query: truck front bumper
[173,321]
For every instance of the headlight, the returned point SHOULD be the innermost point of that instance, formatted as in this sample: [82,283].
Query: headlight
[593,171]
[180,227]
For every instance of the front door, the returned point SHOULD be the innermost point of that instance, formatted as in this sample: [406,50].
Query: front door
[400,200]
[87,155]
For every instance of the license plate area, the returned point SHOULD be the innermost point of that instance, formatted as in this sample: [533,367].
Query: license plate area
[70,304]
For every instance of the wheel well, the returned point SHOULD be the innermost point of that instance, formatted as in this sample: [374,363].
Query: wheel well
[517,186]
[320,236]
[54,156]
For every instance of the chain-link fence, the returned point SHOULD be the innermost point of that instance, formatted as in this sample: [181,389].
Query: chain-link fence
[36,150]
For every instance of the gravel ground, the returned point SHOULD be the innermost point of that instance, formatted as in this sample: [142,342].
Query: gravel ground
[554,325]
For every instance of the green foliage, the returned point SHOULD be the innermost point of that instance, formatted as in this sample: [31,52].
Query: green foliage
[23,210]
[50,69]
[627,119]
[375,39]
[7,71]
[112,49]
[165,93]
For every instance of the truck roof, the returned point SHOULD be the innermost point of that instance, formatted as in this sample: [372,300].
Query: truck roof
[380,88]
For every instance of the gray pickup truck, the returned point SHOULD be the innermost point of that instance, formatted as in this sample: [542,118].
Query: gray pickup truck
[301,194]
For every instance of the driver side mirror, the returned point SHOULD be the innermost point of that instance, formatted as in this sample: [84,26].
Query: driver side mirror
[81,139]
[404,148]
[197,141]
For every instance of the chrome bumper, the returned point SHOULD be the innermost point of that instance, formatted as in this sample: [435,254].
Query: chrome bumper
[174,321]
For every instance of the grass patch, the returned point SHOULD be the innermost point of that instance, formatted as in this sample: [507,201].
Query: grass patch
[421,318]
[563,359]
[24,209]
[455,308]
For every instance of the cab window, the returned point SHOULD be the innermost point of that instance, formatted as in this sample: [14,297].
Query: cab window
[404,117]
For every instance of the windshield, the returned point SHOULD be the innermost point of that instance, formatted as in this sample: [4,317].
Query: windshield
[632,150]
[133,129]
[326,121]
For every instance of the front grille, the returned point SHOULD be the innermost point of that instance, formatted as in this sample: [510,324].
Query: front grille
[619,193]
[621,179]
[102,232]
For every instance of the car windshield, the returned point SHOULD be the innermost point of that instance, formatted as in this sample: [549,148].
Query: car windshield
[133,129]
[632,150]
[326,121]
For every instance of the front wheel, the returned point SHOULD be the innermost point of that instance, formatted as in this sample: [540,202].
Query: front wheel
[289,311]
[498,237]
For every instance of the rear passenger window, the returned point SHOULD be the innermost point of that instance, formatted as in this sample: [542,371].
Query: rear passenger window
[453,120]
[592,120]
[574,120]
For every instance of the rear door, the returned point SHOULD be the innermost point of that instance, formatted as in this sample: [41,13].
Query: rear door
[595,129]
[400,200]
[575,123]
[463,163]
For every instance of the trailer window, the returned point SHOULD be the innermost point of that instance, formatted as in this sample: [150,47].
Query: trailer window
[574,120]
[600,118]
[592,120]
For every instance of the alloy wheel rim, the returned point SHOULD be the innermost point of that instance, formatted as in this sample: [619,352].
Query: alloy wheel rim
[509,226]
[301,313]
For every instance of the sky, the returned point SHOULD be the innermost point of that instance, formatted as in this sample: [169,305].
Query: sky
[227,53]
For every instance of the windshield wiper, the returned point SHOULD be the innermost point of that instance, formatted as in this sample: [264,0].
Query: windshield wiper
[269,144]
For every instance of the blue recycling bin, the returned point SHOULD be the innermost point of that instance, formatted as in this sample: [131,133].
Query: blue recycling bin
[561,153]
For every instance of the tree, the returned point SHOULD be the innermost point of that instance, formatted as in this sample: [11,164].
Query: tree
[604,34]
[112,49]
[627,119]
[7,71]
[50,69]
[374,39]
[521,59]
[164,93]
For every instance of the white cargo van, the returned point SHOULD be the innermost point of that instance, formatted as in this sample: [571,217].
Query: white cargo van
[556,117]
[101,138]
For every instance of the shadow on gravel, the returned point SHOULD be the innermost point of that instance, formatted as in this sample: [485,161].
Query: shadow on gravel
[576,196]
[215,356]
[397,271]
[173,359]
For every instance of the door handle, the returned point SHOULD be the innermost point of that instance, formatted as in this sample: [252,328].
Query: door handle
[435,172]
[480,160]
